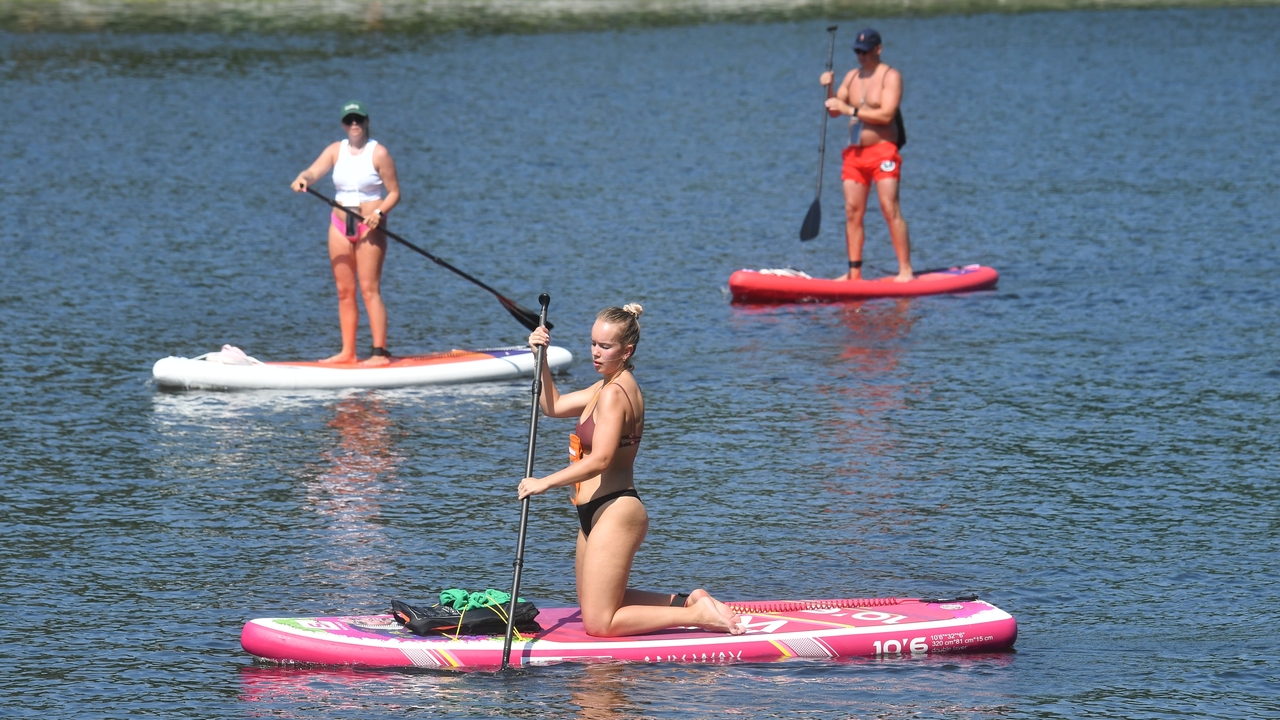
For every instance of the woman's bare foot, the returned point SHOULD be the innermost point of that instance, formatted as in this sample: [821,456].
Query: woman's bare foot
[905,276]
[375,361]
[709,616]
[698,594]
[340,359]
[850,276]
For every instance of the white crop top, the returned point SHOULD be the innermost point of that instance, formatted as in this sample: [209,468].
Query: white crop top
[354,177]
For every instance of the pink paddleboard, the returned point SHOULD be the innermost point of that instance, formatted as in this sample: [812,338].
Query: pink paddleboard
[775,631]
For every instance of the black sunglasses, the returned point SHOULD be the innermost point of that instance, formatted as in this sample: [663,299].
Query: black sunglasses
[353,120]
[861,52]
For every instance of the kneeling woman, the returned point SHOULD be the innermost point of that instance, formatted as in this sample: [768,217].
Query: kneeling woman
[613,521]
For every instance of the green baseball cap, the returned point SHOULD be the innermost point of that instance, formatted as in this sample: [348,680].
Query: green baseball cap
[354,107]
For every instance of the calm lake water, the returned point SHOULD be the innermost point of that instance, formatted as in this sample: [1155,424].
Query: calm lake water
[1092,446]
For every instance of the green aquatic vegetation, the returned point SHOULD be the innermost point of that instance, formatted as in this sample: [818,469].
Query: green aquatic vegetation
[429,17]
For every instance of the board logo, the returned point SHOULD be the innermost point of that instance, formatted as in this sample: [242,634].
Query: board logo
[888,166]
[951,606]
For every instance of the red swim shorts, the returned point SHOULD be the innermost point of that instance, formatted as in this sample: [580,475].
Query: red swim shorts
[865,165]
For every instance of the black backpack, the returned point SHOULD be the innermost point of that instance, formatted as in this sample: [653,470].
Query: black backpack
[444,620]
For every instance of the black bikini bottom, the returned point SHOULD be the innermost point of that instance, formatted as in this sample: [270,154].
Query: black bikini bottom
[587,510]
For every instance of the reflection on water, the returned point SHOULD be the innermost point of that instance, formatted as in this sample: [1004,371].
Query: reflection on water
[854,350]
[267,689]
[349,488]
[877,687]
[364,453]
[859,475]
[594,691]
[234,428]
[599,692]
[866,384]
[274,691]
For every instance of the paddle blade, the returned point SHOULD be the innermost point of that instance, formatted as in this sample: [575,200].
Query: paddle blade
[812,221]
[526,317]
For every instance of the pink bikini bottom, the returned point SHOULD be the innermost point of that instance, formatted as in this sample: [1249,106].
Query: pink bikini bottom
[361,229]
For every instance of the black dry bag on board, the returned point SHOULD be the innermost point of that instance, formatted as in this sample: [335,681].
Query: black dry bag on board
[443,620]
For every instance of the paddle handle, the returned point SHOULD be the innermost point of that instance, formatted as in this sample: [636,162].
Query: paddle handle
[523,316]
[407,244]
[822,140]
[539,355]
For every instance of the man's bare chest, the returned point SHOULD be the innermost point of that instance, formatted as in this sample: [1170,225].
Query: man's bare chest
[867,91]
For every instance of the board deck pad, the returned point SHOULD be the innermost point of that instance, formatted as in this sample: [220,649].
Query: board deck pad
[883,627]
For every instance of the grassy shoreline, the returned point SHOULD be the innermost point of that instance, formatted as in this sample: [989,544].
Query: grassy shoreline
[490,16]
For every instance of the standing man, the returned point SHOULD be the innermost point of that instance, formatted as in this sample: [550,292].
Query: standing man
[870,95]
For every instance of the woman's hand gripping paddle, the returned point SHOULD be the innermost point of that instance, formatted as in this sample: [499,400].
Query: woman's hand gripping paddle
[812,221]
[526,317]
[544,300]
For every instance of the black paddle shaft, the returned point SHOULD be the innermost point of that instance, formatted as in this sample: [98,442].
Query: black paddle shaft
[526,317]
[813,220]
[822,140]
[544,300]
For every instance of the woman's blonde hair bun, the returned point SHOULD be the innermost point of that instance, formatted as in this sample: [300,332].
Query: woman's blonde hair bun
[627,320]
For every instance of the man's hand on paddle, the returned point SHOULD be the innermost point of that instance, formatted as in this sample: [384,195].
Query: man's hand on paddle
[838,106]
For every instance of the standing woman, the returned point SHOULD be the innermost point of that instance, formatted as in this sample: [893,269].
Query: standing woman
[362,168]
[612,520]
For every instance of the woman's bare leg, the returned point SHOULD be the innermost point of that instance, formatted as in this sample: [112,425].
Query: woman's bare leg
[603,567]
[370,255]
[343,261]
[646,597]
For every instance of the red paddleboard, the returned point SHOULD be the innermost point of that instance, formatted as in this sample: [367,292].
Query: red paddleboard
[787,286]
[776,630]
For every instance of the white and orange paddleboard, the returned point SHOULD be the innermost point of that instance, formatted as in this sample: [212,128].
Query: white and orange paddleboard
[231,369]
